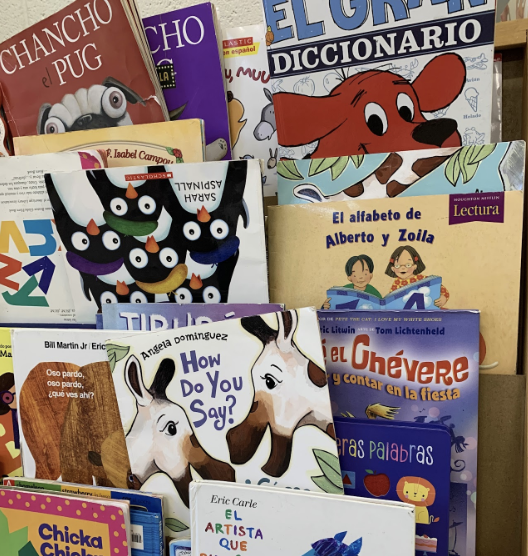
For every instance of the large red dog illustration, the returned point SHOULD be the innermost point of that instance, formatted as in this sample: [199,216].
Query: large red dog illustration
[375,112]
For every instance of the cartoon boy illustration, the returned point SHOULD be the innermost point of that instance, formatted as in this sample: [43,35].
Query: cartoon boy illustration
[406,267]
[359,270]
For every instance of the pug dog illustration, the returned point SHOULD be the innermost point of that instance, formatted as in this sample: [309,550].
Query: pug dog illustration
[98,107]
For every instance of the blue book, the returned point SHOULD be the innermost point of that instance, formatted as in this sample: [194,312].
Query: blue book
[418,295]
[180,548]
[417,367]
[409,462]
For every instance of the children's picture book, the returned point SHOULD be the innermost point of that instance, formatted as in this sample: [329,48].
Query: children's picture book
[68,73]
[377,247]
[186,47]
[33,284]
[421,294]
[375,80]
[162,143]
[150,317]
[267,520]
[250,100]
[186,233]
[70,427]
[483,168]
[146,510]
[10,461]
[37,523]
[415,366]
[410,462]
[242,400]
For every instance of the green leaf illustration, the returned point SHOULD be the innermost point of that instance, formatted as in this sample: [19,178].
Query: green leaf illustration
[369,471]
[481,152]
[288,169]
[28,550]
[115,354]
[319,165]
[175,525]
[339,167]
[326,485]
[329,465]
[170,150]
[452,169]
[357,159]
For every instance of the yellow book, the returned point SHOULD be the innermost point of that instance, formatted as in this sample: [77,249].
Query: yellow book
[133,145]
[10,463]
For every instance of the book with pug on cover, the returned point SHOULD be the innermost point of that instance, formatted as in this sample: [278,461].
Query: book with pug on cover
[85,67]
[242,400]
[162,143]
[186,233]
[383,249]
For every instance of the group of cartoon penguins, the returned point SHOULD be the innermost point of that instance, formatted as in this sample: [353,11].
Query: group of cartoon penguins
[145,244]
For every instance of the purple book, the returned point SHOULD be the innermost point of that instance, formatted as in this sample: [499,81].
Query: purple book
[186,51]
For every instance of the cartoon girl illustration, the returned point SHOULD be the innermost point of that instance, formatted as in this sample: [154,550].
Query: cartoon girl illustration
[406,267]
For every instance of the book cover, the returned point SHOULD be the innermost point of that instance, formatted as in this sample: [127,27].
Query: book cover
[150,317]
[416,366]
[38,523]
[484,168]
[33,284]
[180,548]
[186,47]
[380,246]
[10,461]
[240,400]
[146,510]
[187,233]
[68,415]
[249,100]
[392,460]
[262,521]
[68,73]
[162,143]
[375,80]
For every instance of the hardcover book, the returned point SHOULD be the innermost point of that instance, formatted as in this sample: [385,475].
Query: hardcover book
[187,233]
[258,521]
[392,460]
[240,400]
[67,409]
[33,282]
[146,510]
[249,100]
[378,247]
[68,73]
[484,168]
[36,523]
[186,47]
[421,367]
[150,317]
[376,80]
[163,143]
[10,461]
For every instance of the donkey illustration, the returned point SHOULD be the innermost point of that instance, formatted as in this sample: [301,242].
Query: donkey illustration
[267,126]
[287,396]
[161,437]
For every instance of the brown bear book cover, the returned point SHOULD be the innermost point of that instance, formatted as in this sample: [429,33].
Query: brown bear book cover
[85,67]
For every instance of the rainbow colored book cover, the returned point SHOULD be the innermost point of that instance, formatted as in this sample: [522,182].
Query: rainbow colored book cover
[45,524]
[419,367]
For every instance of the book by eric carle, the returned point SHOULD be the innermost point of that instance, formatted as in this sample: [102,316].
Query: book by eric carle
[34,523]
[416,366]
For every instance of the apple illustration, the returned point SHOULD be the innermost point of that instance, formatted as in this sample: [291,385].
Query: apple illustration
[376,484]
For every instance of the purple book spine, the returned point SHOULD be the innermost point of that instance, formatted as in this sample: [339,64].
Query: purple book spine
[185,48]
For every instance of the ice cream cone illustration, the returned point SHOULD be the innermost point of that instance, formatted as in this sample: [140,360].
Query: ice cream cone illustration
[472,95]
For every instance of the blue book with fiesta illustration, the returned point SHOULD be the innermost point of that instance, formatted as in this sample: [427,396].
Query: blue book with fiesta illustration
[400,461]
[412,173]
[418,295]
[420,367]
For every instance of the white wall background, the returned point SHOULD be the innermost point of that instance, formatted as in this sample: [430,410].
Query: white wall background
[20,14]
